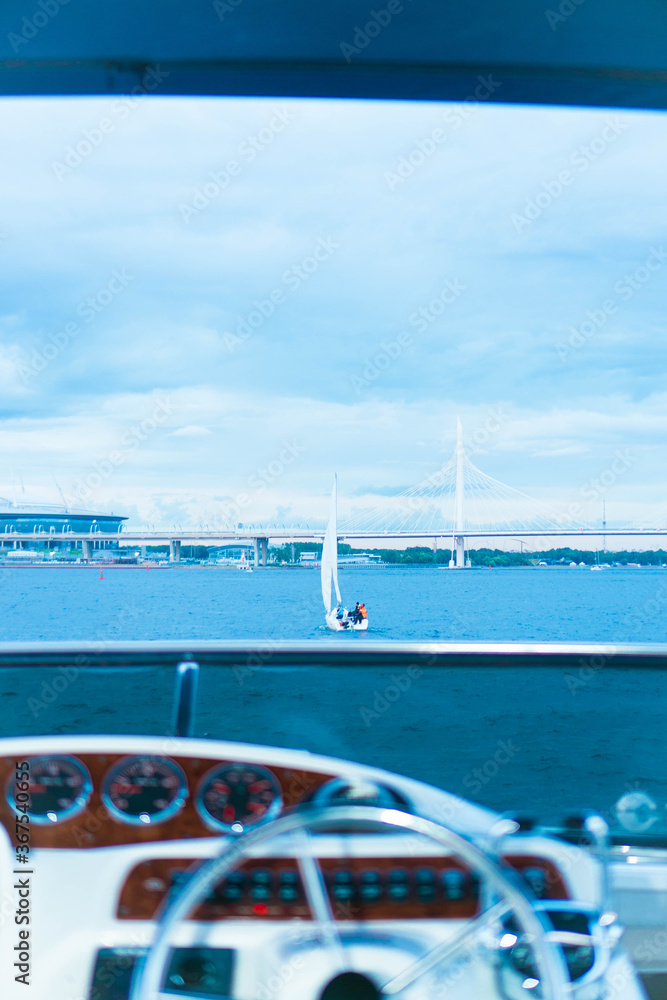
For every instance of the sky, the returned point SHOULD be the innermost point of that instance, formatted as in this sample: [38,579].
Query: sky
[209,306]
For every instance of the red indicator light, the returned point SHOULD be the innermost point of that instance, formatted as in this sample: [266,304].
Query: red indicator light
[260,909]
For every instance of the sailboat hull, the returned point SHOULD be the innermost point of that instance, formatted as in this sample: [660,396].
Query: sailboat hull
[336,625]
[329,575]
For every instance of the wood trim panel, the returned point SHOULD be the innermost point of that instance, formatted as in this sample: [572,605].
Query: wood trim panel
[148,883]
[556,887]
[96,827]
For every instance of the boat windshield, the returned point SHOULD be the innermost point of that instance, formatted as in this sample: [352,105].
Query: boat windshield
[545,737]
[212,306]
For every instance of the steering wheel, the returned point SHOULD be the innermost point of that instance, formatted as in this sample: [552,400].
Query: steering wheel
[504,894]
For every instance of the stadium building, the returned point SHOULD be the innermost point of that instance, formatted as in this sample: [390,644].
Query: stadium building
[50,525]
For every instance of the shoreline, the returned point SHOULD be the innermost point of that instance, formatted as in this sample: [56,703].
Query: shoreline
[354,566]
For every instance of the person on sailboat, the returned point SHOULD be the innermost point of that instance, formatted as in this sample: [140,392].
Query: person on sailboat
[362,611]
[356,614]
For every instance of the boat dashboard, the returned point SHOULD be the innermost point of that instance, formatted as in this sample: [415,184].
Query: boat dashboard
[111,827]
[136,867]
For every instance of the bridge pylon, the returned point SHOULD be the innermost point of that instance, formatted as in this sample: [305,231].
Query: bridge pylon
[458,545]
[459,501]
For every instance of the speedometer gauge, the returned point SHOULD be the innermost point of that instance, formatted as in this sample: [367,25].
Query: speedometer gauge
[234,796]
[59,787]
[145,789]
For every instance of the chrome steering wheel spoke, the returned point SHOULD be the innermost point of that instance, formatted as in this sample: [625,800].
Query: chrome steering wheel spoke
[295,829]
[317,896]
[445,951]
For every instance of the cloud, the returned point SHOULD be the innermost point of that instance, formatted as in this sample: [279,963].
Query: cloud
[192,430]
[362,356]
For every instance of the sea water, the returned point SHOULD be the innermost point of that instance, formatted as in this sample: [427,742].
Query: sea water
[546,742]
[545,604]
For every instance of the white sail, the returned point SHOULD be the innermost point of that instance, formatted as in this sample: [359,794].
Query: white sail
[330,555]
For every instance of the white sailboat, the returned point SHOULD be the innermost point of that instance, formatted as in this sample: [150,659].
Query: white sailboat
[337,618]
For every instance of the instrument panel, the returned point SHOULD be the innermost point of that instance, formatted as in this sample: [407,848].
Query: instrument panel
[377,888]
[100,800]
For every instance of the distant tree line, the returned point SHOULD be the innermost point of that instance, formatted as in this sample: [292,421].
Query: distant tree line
[424,555]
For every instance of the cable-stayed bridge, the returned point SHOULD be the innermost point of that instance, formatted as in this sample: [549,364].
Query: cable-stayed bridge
[456,503]
[460,501]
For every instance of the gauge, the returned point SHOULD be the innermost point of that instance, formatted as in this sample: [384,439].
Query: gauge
[636,812]
[145,789]
[58,787]
[360,792]
[234,796]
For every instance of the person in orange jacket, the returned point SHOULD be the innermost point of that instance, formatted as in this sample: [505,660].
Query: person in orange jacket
[362,611]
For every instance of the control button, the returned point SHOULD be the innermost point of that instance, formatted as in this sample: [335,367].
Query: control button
[290,887]
[454,884]
[397,885]
[343,886]
[260,892]
[260,885]
[260,877]
[425,885]
[233,887]
[371,888]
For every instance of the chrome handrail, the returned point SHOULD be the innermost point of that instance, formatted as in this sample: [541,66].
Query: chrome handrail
[331,653]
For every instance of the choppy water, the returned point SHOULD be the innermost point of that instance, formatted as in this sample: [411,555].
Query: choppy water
[560,749]
[405,603]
